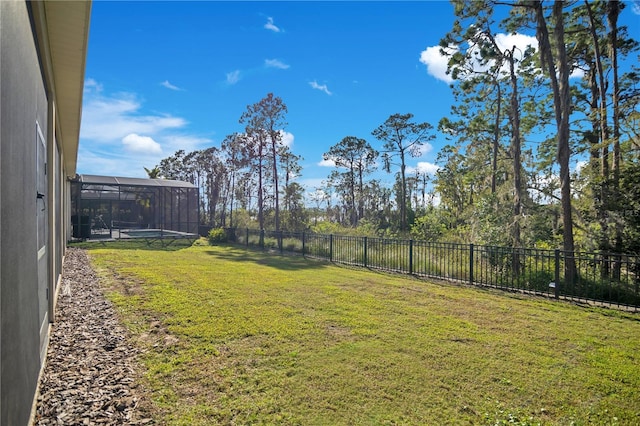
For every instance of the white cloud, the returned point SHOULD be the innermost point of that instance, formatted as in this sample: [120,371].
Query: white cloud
[327,163]
[274,63]
[118,139]
[286,138]
[90,85]
[233,77]
[322,87]
[271,26]
[424,149]
[577,73]
[436,63]
[579,166]
[425,167]
[521,41]
[104,163]
[636,7]
[169,85]
[141,144]
[112,118]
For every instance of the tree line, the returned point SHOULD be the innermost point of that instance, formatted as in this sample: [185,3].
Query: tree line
[521,118]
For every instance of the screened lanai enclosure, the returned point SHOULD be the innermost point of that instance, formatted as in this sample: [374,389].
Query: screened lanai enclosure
[107,207]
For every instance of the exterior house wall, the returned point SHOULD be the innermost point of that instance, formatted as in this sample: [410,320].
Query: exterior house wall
[42,54]
[23,104]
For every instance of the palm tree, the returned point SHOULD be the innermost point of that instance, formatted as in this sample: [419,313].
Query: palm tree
[153,173]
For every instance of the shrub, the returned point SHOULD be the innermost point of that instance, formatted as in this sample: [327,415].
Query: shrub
[217,236]
[292,244]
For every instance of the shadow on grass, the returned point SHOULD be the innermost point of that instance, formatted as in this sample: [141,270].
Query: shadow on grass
[285,262]
[136,244]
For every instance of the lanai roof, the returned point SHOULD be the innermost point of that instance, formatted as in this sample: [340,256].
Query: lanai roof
[129,181]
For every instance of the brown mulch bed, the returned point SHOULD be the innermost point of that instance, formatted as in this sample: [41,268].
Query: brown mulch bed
[91,371]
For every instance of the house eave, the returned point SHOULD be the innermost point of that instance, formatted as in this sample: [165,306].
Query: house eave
[62,32]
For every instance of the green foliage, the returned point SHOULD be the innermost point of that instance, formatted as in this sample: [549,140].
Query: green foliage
[429,226]
[476,180]
[153,173]
[354,159]
[254,240]
[217,236]
[328,228]
[295,220]
[264,151]
[493,219]
[270,243]
[402,139]
[243,219]
[292,244]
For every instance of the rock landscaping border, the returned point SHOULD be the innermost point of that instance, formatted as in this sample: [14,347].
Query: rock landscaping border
[90,375]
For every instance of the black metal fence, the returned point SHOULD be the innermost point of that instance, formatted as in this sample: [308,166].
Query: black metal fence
[606,279]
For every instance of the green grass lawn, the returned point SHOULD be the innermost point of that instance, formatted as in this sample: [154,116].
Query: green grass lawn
[234,336]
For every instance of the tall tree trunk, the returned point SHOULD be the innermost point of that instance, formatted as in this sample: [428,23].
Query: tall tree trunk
[260,194]
[403,193]
[353,219]
[564,150]
[517,166]
[594,158]
[613,10]
[211,206]
[496,141]
[562,108]
[233,192]
[605,245]
[360,192]
[276,193]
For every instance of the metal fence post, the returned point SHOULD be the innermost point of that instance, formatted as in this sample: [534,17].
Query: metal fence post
[247,238]
[331,248]
[410,257]
[365,252]
[556,274]
[280,242]
[471,263]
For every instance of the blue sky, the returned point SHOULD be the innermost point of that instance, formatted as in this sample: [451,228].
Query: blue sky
[163,76]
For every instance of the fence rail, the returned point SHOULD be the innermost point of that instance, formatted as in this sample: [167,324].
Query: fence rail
[607,279]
